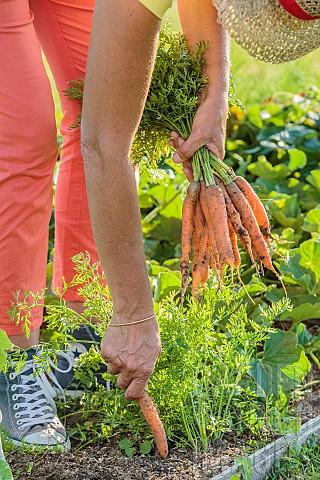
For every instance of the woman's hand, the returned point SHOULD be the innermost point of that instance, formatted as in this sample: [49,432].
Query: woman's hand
[131,353]
[199,22]
[209,129]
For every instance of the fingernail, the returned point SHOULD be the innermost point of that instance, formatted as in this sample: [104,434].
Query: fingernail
[176,158]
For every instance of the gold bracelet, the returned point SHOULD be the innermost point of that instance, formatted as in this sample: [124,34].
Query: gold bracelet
[131,323]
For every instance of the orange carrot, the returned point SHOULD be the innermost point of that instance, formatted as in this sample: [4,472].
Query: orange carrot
[235,220]
[205,210]
[218,223]
[257,207]
[201,264]
[233,238]
[206,269]
[199,223]
[188,211]
[205,275]
[152,417]
[259,246]
[213,261]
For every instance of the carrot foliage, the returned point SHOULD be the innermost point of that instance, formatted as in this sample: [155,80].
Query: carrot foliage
[174,95]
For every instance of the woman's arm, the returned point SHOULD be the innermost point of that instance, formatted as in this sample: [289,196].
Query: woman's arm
[199,22]
[121,55]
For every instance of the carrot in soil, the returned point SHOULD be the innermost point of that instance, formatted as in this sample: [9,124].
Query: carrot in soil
[188,211]
[152,417]
[235,219]
[257,207]
[218,223]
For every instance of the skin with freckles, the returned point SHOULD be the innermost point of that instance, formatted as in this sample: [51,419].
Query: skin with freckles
[121,57]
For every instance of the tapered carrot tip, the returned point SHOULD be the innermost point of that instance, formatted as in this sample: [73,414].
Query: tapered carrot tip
[152,417]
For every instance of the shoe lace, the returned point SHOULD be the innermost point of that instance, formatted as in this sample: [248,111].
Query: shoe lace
[34,404]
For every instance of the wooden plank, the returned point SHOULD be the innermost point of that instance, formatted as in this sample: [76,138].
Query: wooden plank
[263,460]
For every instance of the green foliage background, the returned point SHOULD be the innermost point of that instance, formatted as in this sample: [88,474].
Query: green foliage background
[230,368]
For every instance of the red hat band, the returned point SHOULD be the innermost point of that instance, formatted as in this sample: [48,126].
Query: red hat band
[292,7]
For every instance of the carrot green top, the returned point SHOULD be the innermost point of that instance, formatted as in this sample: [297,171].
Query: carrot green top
[158,7]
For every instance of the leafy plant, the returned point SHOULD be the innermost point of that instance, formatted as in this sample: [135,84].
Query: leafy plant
[200,383]
[126,445]
[299,463]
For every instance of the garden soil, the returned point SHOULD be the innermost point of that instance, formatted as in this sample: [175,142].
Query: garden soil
[105,461]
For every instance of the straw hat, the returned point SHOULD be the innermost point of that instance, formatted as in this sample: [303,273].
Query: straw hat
[275,31]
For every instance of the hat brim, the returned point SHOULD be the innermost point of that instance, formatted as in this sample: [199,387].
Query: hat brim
[267,31]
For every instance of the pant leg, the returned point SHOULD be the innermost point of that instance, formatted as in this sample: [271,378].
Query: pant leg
[28,151]
[63,28]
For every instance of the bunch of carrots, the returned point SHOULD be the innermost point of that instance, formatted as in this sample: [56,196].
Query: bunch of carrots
[219,210]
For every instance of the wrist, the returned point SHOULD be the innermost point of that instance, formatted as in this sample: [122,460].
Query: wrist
[130,313]
[136,322]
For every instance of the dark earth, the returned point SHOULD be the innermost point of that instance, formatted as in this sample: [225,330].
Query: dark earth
[105,461]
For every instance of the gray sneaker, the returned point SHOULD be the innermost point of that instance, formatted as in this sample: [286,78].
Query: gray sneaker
[85,336]
[28,408]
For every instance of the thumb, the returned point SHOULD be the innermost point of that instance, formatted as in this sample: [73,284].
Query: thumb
[187,148]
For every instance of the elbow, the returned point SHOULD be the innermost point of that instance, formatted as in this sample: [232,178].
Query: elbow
[91,150]
[102,155]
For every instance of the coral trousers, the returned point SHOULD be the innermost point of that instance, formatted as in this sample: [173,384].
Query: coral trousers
[28,147]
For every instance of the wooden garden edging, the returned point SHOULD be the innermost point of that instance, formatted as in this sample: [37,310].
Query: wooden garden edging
[262,460]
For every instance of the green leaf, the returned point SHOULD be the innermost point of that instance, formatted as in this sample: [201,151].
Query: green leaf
[308,341]
[5,343]
[302,312]
[304,336]
[266,376]
[2,359]
[297,273]
[5,472]
[145,447]
[165,283]
[125,443]
[314,179]
[297,159]
[255,288]
[298,370]
[310,256]
[285,209]
[283,363]
[263,168]
[312,221]
[166,196]
[130,452]
[145,201]
[172,264]
[168,229]
[154,268]
[281,349]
